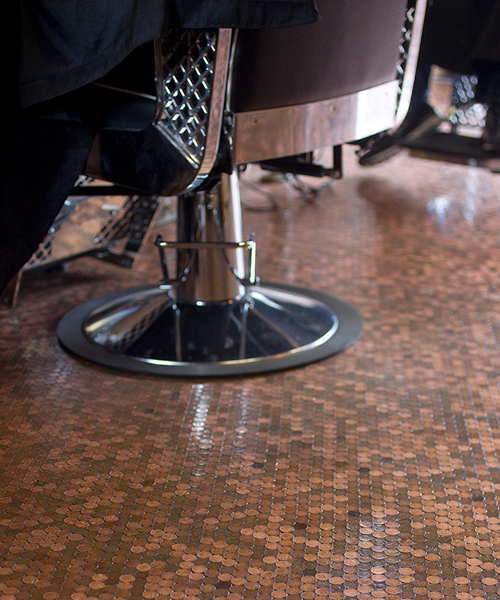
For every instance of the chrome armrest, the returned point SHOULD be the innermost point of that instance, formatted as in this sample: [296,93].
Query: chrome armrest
[192,71]
[177,151]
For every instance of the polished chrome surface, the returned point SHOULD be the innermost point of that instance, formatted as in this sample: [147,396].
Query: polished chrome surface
[408,55]
[187,69]
[191,70]
[211,217]
[250,277]
[110,227]
[217,101]
[270,327]
[274,133]
[208,320]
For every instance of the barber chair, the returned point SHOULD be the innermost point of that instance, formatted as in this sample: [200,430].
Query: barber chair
[458,139]
[226,99]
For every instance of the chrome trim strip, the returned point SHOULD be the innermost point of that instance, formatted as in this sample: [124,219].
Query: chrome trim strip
[232,55]
[273,133]
[217,101]
[411,61]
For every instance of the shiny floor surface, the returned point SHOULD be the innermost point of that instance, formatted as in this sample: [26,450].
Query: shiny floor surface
[372,474]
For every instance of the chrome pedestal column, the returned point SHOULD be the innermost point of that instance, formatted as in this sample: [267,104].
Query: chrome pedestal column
[214,318]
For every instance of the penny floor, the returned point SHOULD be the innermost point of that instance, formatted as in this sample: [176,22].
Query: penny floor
[371,474]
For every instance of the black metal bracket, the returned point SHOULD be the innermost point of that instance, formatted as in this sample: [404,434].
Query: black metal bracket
[303,164]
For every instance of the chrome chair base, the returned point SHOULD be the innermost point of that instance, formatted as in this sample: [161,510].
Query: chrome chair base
[269,327]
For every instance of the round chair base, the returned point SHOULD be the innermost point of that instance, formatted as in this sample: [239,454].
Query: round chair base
[271,327]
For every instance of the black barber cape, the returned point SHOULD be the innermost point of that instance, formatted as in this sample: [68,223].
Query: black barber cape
[68,43]
[58,46]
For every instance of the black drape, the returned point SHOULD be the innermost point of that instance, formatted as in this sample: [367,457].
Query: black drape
[459,34]
[54,48]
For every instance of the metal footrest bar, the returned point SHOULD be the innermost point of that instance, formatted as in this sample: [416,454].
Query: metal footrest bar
[168,282]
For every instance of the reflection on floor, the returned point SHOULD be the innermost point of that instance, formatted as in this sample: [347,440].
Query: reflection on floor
[372,474]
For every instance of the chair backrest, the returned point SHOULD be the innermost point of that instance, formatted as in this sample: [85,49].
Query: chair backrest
[354,46]
[290,91]
[295,90]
